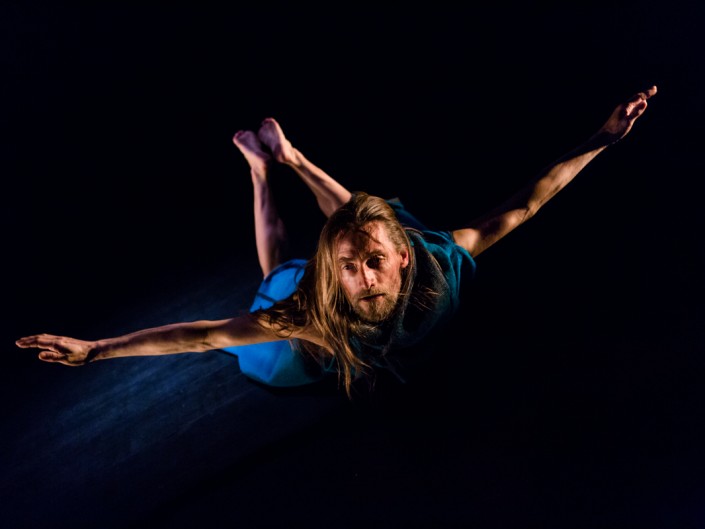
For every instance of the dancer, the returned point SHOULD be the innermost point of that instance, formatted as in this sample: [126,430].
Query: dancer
[379,283]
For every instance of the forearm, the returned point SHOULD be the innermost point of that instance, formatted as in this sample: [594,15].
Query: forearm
[483,232]
[553,178]
[167,339]
[560,173]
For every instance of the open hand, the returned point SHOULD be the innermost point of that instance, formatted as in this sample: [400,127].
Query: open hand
[61,349]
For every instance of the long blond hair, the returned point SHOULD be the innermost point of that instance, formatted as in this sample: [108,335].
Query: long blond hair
[320,303]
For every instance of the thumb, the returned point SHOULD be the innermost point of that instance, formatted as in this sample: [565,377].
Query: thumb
[51,356]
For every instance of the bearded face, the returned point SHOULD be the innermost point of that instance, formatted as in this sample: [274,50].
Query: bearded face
[370,270]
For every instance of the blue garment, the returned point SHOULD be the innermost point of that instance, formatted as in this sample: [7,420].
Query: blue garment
[276,363]
[279,364]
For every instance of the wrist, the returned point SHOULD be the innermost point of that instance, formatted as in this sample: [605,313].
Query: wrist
[296,160]
[98,350]
[603,138]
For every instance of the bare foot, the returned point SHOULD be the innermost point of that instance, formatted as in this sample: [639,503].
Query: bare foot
[251,148]
[272,135]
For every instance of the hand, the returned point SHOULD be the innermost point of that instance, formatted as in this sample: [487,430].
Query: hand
[67,351]
[623,117]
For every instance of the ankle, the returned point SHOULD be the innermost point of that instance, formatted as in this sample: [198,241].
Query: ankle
[293,159]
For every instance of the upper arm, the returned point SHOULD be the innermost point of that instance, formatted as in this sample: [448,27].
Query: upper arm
[240,330]
[483,233]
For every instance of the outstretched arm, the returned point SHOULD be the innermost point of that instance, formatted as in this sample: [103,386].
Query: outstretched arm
[186,337]
[520,207]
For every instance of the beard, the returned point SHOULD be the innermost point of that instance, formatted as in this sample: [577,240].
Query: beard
[375,309]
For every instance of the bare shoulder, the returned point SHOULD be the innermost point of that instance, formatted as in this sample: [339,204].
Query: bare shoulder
[310,335]
[268,331]
[468,238]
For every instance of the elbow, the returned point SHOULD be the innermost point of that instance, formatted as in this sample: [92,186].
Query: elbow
[529,211]
[208,338]
[209,341]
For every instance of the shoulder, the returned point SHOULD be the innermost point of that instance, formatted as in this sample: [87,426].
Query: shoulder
[309,334]
[455,262]
[441,244]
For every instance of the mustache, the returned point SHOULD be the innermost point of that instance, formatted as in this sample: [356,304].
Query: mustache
[370,293]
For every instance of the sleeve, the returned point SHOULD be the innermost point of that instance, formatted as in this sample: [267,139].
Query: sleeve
[278,363]
[458,266]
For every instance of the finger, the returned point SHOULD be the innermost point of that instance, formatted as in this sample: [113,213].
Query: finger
[650,92]
[634,111]
[44,341]
[27,341]
[635,107]
[22,342]
[646,94]
[52,356]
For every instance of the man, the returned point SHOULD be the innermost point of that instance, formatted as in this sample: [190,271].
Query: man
[378,284]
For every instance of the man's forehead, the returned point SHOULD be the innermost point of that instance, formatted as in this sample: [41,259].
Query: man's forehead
[372,236]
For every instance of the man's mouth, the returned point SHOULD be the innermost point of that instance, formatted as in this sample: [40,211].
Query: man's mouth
[371,297]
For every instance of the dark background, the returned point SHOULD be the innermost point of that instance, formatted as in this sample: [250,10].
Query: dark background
[570,392]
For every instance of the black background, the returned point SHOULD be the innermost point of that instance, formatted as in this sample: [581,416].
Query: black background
[572,393]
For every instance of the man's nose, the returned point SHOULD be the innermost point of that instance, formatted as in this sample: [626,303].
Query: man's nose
[368,277]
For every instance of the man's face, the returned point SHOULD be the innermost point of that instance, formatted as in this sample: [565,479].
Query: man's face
[370,268]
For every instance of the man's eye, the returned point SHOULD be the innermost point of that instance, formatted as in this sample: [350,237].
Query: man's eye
[374,262]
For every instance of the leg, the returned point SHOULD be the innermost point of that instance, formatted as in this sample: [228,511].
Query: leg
[330,195]
[270,233]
